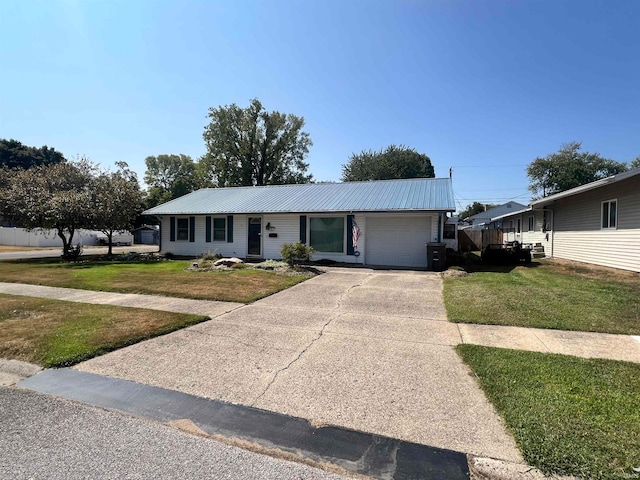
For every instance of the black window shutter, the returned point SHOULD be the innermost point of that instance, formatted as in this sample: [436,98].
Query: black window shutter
[207,229]
[192,229]
[350,250]
[303,229]
[229,228]
[172,229]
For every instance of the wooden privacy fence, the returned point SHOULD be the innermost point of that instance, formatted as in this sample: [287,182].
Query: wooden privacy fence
[469,240]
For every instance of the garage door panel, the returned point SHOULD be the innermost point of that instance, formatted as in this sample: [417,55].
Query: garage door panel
[397,241]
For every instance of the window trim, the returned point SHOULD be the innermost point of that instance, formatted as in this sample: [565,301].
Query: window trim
[178,229]
[344,233]
[531,223]
[602,218]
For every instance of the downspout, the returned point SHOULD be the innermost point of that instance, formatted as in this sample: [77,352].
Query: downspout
[440,227]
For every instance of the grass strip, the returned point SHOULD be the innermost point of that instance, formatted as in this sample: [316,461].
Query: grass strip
[54,333]
[160,278]
[569,416]
[546,296]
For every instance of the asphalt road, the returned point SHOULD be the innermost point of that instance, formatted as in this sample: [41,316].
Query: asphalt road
[51,253]
[42,437]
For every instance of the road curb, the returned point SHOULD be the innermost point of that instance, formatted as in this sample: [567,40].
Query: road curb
[491,469]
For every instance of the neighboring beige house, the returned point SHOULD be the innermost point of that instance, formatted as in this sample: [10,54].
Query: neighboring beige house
[483,219]
[595,223]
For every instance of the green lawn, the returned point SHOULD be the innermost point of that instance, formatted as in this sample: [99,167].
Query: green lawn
[569,416]
[54,333]
[161,278]
[547,295]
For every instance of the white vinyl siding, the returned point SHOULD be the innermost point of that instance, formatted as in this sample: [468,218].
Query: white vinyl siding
[238,248]
[400,240]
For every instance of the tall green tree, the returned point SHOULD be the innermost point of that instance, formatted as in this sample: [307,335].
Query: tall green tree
[568,168]
[635,163]
[391,163]
[14,154]
[51,197]
[169,177]
[116,200]
[475,208]
[251,146]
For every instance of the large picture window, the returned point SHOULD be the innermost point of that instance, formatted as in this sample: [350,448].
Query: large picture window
[610,214]
[326,234]
[183,229]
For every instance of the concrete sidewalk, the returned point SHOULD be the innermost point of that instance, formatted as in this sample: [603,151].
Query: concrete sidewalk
[580,344]
[152,302]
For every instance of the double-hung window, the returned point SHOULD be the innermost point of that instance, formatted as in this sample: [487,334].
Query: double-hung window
[219,230]
[182,229]
[327,234]
[532,223]
[609,214]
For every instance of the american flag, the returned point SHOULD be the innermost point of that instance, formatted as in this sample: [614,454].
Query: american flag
[355,232]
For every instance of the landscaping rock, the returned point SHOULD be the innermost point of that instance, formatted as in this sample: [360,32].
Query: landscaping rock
[227,262]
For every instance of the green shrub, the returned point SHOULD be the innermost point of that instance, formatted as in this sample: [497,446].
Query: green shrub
[239,266]
[211,256]
[270,265]
[296,252]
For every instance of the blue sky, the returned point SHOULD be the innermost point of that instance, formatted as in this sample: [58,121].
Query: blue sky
[483,87]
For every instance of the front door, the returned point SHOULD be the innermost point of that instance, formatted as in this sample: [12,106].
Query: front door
[255,235]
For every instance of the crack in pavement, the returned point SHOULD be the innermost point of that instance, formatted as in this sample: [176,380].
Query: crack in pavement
[304,350]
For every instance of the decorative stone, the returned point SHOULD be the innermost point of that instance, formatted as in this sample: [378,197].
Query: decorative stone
[227,262]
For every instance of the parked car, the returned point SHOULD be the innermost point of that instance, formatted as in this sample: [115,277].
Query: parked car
[118,239]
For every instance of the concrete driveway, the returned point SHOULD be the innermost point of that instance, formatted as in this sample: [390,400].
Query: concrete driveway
[363,349]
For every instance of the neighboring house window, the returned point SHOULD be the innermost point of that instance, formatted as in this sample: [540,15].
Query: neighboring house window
[610,214]
[219,229]
[182,229]
[518,227]
[449,232]
[532,223]
[326,234]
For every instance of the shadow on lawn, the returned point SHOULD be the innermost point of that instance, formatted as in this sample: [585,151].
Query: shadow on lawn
[471,262]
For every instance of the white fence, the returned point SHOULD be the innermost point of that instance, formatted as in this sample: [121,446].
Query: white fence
[20,237]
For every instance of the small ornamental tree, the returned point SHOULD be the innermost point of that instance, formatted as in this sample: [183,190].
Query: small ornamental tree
[116,201]
[292,252]
[55,196]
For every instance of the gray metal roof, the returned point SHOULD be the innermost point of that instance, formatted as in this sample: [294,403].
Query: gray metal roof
[503,209]
[416,194]
[585,188]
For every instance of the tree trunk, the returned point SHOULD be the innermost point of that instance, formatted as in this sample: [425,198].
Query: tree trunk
[65,244]
[110,237]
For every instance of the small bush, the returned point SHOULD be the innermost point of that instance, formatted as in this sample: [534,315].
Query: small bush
[296,252]
[211,256]
[73,253]
[270,265]
[239,266]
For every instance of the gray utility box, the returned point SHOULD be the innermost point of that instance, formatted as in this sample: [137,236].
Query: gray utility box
[436,256]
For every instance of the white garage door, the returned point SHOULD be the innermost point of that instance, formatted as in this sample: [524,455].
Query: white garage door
[397,241]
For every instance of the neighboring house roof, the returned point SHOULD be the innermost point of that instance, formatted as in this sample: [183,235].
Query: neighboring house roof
[517,212]
[416,194]
[505,208]
[585,188]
